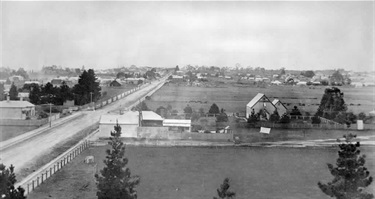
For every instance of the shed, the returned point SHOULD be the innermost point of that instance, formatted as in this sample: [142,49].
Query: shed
[179,125]
[150,118]
[260,103]
[10,109]
[281,108]
[129,121]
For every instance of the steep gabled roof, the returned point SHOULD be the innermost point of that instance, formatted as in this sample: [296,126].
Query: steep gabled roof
[275,101]
[15,104]
[257,98]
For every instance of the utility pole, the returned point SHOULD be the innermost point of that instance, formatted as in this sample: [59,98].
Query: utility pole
[50,112]
[91,101]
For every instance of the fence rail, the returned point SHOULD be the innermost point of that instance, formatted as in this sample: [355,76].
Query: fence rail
[38,177]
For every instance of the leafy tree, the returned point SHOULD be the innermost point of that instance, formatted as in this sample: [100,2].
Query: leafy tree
[315,120]
[13,92]
[350,174]
[7,181]
[35,94]
[8,81]
[21,72]
[282,71]
[115,180]
[188,110]
[201,111]
[308,73]
[177,68]
[284,119]
[63,94]
[295,111]
[87,84]
[222,116]
[48,94]
[214,109]
[332,103]
[275,117]
[223,192]
[141,107]
[337,77]
[253,118]
[2,94]
[361,116]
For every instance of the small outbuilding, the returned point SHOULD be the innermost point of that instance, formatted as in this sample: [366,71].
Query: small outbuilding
[150,118]
[129,122]
[115,83]
[177,125]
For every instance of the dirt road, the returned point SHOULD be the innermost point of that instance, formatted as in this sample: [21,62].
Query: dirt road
[28,151]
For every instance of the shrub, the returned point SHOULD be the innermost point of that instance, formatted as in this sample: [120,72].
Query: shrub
[284,119]
[315,120]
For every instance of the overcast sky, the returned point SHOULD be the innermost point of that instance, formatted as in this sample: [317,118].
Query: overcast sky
[295,35]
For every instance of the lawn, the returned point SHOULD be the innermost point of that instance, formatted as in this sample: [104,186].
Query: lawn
[234,97]
[196,173]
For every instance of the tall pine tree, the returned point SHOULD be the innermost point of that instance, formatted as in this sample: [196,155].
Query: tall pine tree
[7,181]
[115,181]
[87,84]
[223,192]
[350,174]
[332,103]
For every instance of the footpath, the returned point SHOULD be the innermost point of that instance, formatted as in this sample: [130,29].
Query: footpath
[18,139]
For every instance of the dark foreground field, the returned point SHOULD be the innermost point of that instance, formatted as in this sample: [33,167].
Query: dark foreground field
[234,97]
[196,173]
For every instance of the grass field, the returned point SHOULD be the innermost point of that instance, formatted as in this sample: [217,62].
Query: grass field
[196,173]
[7,132]
[234,97]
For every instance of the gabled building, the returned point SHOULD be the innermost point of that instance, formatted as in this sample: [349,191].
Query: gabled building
[281,108]
[20,110]
[260,104]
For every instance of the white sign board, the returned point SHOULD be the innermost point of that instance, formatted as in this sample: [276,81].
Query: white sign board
[265,130]
[359,124]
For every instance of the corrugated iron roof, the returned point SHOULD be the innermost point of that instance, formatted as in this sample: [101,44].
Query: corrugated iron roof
[255,100]
[130,117]
[15,104]
[150,115]
[176,122]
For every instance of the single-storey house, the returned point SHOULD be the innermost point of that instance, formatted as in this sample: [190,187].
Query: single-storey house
[281,108]
[115,83]
[10,109]
[129,122]
[260,103]
[177,125]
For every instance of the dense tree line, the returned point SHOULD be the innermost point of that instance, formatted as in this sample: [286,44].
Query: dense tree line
[81,93]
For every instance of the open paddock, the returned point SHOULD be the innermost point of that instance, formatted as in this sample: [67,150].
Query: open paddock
[234,97]
[196,172]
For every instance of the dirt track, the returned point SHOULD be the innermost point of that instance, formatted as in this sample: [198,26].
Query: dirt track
[23,154]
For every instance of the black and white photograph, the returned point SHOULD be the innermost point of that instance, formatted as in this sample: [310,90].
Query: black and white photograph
[187,99]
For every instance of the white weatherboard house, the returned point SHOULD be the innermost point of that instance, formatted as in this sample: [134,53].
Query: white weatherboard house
[129,123]
[20,110]
[281,109]
[258,103]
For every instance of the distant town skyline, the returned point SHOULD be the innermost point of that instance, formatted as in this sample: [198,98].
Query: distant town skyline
[295,35]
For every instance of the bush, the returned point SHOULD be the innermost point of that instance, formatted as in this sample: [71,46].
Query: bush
[315,120]
[285,119]
[43,114]
[361,116]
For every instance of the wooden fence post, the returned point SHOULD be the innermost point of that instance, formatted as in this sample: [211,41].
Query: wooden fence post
[33,185]
[37,181]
